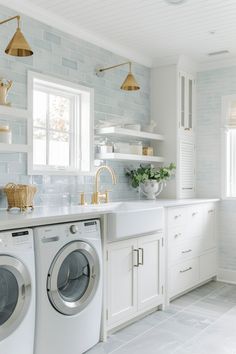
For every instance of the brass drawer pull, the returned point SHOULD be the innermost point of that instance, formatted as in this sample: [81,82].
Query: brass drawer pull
[185,270]
[140,250]
[136,257]
[187,251]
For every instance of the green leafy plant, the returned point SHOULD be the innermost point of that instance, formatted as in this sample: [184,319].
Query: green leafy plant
[144,173]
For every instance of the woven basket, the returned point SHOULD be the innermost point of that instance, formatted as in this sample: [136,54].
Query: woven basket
[20,196]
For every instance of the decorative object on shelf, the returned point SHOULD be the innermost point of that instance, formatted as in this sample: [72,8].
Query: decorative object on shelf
[136,148]
[122,148]
[148,151]
[18,46]
[105,124]
[129,84]
[5,134]
[20,196]
[151,180]
[150,128]
[133,126]
[105,146]
[5,86]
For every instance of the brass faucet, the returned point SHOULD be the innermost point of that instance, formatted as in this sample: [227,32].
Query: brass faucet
[97,195]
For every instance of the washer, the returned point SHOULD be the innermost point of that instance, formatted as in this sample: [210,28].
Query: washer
[69,287]
[17,292]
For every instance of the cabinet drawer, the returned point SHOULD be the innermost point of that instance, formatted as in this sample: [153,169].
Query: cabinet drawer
[208,265]
[176,235]
[176,217]
[183,276]
[195,220]
[180,251]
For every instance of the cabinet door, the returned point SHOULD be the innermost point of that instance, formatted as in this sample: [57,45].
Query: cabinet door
[182,100]
[186,169]
[209,227]
[122,280]
[186,103]
[189,124]
[150,271]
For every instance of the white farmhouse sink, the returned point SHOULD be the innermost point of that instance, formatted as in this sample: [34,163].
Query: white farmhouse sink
[134,218]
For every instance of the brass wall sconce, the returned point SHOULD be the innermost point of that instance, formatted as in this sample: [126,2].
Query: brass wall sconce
[129,84]
[18,46]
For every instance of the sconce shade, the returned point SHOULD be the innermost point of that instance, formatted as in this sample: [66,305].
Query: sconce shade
[130,84]
[18,45]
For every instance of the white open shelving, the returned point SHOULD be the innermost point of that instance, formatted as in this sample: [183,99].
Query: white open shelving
[122,133]
[128,157]
[13,112]
[6,148]
[128,134]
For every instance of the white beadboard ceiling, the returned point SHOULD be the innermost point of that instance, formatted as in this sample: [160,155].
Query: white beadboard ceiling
[148,31]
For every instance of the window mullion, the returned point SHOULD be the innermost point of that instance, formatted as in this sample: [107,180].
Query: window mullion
[47,131]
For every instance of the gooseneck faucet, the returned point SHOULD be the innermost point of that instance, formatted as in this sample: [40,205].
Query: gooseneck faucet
[97,195]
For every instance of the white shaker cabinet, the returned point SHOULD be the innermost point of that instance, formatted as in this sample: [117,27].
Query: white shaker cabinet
[122,279]
[192,246]
[135,277]
[173,109]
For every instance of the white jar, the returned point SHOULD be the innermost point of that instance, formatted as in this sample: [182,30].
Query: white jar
[136,148]
[5,134]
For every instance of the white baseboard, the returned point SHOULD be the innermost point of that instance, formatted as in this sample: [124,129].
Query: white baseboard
[226,275]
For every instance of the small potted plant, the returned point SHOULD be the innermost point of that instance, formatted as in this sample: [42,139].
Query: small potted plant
[151,180]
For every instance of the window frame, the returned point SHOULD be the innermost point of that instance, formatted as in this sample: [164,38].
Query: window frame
[225,102]
[85,96]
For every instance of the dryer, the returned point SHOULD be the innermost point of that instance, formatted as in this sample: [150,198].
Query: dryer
[17,292]
[69,287]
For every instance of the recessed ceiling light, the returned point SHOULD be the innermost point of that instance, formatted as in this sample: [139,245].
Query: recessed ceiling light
[175,2]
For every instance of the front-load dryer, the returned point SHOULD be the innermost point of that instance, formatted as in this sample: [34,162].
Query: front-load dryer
[69,287]
[17,292]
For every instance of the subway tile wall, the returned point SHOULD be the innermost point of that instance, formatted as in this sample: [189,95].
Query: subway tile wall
[62,55]
[211,86]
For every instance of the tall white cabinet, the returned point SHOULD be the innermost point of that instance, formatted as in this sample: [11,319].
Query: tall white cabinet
[173,97]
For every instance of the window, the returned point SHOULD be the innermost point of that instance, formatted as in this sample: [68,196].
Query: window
[229,146]
[61,128]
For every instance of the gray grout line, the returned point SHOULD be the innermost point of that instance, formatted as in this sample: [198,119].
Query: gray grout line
[182,310]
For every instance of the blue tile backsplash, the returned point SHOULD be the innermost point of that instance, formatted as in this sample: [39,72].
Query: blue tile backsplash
[62,55]
[211,86]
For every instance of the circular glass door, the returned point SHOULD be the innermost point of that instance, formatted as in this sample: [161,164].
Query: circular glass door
[73,277]
[15,289]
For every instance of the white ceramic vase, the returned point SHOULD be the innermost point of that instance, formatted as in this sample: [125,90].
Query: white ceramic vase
[151,188]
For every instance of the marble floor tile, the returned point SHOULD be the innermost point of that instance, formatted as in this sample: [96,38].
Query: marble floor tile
[201,322]
[218,338]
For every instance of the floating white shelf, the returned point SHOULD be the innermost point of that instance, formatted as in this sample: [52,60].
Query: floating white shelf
[122,132]
[129,157]
[13,112]
[8,148]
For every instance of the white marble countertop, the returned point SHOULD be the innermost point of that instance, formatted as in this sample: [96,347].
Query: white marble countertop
[53,215]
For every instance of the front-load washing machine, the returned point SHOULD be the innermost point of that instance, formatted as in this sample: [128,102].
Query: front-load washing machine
[17,292]
[69,287]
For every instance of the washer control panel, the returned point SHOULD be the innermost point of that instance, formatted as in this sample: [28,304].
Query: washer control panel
[90,228]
